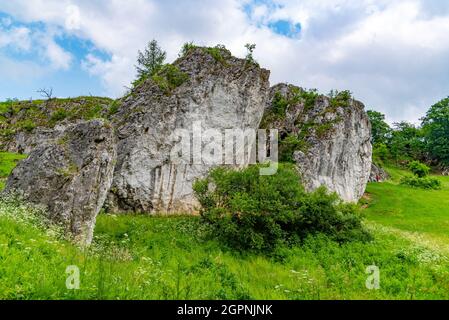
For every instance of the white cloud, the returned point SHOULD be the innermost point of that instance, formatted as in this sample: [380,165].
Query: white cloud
[58,57]
[22,39]
[17,37]
[391,54]
[73,18]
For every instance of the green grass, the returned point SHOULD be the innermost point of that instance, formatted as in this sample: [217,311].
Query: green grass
[171,258]
[143,257]
[8,162]
[411,210]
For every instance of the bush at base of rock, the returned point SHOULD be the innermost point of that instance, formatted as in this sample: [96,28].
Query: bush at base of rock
[422,183]
[419,169]
[249,211]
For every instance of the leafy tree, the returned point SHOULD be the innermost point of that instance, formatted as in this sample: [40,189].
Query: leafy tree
[380,131]
[381,152]
[150,61]
[436,128]
[407,142]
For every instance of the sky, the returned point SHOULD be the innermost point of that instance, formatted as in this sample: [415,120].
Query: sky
[392,54]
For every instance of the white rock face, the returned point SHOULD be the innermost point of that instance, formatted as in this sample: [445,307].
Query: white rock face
[338,151]
[218,95]
[341,162]
[70,177]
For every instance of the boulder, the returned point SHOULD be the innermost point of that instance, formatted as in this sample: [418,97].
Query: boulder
[327,137]
[378,174]
[69,176]
[218,91]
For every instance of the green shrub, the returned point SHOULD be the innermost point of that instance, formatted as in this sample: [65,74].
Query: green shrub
[250,47]
[114,107]
[288,146]
[381,152]
[419,169]
[58,115]
[249,211]
[219,53]
[340,99]
[169,78]
[93,112]
[28,125]
[422,183]
[280,104]
[186,48]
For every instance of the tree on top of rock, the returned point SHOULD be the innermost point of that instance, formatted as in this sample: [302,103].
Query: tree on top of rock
[381,131]
[150,61]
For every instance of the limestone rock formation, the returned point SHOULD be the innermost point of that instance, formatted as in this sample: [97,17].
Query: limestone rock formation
[76,166]
[378,174]
[327,137]
[216,90]
[70,176]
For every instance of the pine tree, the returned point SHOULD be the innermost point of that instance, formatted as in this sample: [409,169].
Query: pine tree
[151,60]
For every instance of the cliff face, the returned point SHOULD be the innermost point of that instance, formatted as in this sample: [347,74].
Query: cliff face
[216,91]
[327,137]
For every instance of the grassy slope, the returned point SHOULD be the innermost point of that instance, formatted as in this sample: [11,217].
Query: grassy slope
[138,257]
[411,210]
[167,258]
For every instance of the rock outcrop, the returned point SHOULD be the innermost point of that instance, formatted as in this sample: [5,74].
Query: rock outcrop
[217,91]
[378,174]
[70,176]
[77,166]
[327,137]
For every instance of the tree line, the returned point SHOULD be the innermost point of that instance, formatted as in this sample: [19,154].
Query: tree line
[405,142]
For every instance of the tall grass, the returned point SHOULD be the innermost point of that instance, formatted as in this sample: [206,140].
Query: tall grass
[135,257]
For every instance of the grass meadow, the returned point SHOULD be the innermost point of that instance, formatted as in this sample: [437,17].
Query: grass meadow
[155,257]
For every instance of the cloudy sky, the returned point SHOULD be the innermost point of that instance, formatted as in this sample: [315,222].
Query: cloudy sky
[392,54]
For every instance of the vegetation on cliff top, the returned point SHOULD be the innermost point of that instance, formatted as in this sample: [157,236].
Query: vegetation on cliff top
[319,126]
[25,116]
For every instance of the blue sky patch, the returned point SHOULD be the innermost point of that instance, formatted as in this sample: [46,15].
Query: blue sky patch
[283,27]
[72,82]
[80,48]
[286,28]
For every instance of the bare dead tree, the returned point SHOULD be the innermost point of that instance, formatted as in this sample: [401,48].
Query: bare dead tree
[46,93]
